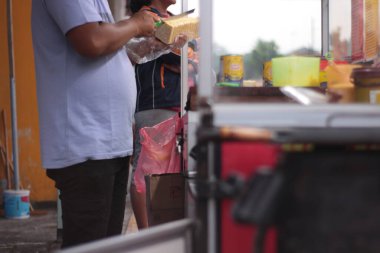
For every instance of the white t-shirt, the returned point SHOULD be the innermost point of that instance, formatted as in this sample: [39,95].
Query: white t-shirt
[86,106]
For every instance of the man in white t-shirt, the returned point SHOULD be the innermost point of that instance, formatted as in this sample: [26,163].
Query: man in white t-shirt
[86,98]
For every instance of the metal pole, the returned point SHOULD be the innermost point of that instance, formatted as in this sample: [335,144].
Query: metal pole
[212,236]
[206,84]
[184,67]
[13,96]
[9,176]
[325,27]
[204,91]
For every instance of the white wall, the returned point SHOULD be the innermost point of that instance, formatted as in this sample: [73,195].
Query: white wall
[118,8]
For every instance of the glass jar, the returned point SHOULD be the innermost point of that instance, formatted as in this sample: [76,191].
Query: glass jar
[367,84]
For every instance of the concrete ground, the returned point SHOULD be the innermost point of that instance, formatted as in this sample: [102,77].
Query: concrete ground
[38,233]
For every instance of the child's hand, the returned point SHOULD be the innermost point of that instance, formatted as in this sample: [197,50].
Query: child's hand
[179,41]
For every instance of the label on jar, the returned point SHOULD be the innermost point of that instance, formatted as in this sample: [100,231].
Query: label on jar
[374,97]
[231,68]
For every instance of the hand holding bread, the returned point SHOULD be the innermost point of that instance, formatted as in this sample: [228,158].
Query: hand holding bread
[144,23]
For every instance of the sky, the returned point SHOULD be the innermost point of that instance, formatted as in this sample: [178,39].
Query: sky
[290,23]
[341,17]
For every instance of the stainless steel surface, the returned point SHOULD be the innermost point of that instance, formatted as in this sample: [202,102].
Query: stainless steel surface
[170,237]
[293,115]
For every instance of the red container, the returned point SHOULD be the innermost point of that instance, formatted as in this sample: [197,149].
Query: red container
[244,159]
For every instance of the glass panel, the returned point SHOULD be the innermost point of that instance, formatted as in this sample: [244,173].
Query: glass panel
[248,34]
[260,30]
[340,19]
[193,44]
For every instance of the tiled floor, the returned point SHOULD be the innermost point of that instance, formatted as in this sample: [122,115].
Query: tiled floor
[38,233]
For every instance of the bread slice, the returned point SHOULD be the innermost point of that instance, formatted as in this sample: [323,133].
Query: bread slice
[172,27]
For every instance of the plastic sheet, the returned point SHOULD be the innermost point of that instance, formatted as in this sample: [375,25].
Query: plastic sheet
[144,49]
[159,154]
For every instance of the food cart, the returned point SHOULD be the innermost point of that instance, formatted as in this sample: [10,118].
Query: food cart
[278,175]
[266,171]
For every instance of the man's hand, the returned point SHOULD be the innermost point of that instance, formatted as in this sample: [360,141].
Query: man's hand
[97,39]
[144,22]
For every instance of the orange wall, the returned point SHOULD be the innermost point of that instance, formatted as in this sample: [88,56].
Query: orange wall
[31,172]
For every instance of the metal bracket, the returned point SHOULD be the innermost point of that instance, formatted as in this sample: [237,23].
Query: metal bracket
[219,189]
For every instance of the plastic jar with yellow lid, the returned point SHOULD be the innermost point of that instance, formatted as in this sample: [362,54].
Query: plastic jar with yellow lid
[367,84]
[339,81]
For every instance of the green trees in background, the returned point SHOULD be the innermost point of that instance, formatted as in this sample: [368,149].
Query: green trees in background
[253,61]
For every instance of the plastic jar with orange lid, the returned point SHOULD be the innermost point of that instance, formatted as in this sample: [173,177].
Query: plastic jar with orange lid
[367,84]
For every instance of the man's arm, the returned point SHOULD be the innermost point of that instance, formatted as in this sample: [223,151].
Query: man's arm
[97,39]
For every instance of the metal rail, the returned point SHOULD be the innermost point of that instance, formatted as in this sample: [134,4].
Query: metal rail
[13,96]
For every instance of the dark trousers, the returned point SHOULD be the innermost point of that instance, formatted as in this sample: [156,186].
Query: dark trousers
[93,195]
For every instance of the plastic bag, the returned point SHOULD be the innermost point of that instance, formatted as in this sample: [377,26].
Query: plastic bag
[159,154]
[144,49]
